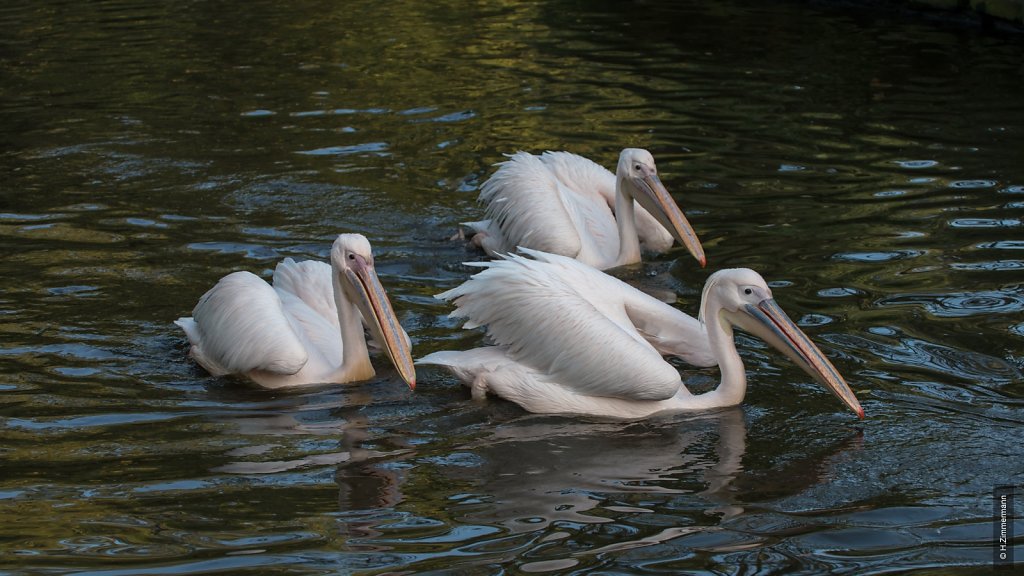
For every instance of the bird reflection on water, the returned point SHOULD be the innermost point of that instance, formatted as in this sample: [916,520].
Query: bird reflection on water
[540,474]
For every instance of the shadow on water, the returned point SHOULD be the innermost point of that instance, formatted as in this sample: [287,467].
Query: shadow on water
[550,491]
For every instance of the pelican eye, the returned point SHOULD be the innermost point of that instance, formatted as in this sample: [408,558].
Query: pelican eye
[748,291]
[636,167]
[351,256]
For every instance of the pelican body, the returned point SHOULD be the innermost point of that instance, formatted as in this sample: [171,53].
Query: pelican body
[565,204]
[570,339]
[306,328]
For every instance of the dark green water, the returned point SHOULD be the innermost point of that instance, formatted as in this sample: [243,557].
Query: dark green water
[870,166]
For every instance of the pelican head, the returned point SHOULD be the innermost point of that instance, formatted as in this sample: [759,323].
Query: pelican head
[638,177]
[352,260]
[745,301]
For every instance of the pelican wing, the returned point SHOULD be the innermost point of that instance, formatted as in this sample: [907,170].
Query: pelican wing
[587,177]
[240,325]
[595,227]
[467,364]
[670,331]
[534,207]
[590,177]
[309,281]
[536,310]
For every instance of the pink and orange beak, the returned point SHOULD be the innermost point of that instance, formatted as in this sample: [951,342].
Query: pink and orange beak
[373,303]
[769,322]
[654,197]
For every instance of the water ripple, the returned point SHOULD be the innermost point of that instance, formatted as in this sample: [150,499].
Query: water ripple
[878,256]
[99,420]
[841,292]
[936,358]
[365,148]
[1004,245]
[337,112]
[226,564]
[253,251]
[963,304]
[985,222]
[989,266]
[452,117]
[917,164]
[973,184]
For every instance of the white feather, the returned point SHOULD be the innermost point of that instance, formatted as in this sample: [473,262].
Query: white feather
[248,308]
[571,339]
[561,203]
[303,329]
[573,310]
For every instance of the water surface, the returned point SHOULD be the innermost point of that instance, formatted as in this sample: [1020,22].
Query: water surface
[867,164]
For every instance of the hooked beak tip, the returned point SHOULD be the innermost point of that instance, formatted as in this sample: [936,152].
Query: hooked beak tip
[784,334]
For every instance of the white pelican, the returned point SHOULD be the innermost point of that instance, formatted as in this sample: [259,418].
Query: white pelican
[307,328]
[571,339]
[565,204]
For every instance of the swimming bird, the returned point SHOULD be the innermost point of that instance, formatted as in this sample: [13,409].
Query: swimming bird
[562,203]
[570,339]
[306,328]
